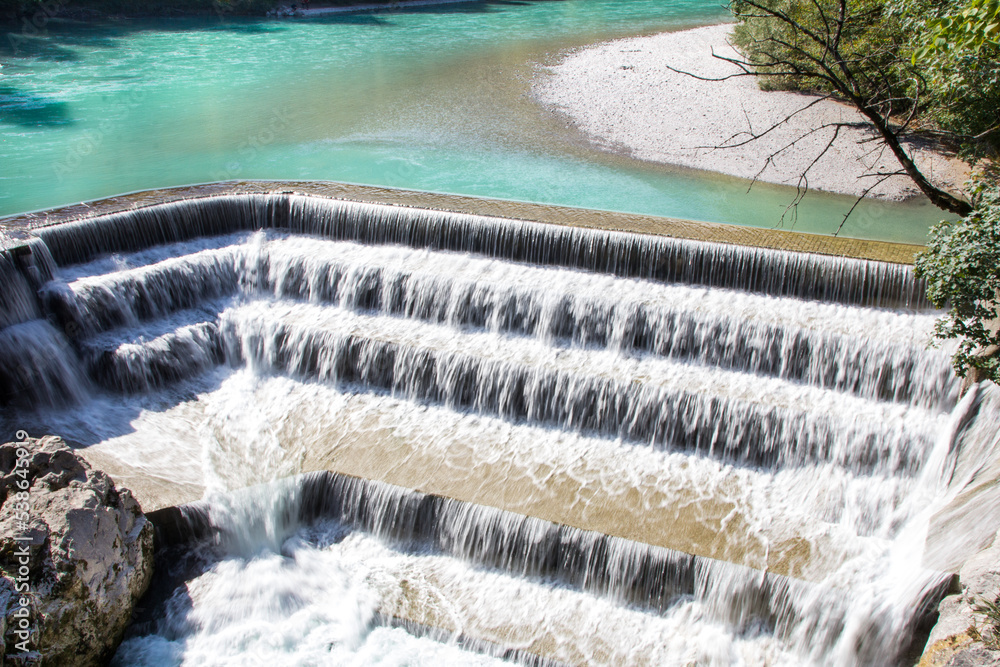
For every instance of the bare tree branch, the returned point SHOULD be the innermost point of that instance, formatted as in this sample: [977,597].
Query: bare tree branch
[857,201]
[752,136]
[813,55]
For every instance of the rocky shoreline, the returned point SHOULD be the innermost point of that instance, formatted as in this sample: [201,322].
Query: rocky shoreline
[76,555]
[963,636]
[624,96]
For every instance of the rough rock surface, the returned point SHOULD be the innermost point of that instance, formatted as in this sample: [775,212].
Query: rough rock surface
[968,523]
[963,636]
[75,555]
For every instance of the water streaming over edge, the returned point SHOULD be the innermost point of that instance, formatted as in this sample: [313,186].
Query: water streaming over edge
[549,345]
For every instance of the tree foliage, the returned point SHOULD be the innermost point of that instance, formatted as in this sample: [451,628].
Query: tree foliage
[930,67]
[927,67]
[790,35]
[962,268]
[973,27]
[854,50]
[955,45]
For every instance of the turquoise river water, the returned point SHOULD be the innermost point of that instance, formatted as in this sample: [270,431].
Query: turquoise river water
[430,98]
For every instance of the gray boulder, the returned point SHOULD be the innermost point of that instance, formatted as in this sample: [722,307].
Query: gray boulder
[75,555]
[964,636]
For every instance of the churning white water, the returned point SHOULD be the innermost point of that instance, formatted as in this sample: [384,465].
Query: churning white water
[414,437]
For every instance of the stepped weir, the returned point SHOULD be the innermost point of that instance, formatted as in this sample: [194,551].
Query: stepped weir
[499,437]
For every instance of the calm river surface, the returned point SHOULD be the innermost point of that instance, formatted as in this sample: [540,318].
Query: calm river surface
[430,98]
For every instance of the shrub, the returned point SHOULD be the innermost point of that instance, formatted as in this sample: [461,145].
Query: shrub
[962,268]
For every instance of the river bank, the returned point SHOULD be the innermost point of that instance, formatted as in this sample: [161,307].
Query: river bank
[623,96]
[372,6]
[422,99]
[38,16]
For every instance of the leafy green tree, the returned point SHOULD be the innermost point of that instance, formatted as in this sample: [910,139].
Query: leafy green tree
[962,268]
[973,27]
[958,53]
[928,67]
[958,45]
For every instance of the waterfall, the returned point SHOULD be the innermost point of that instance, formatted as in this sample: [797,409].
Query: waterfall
[626,572]
[681,323]
[38,366]
[548,444]
[587,391]
[622,254]
[18,302]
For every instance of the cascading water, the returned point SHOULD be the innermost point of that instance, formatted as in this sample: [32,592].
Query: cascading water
[438,438]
